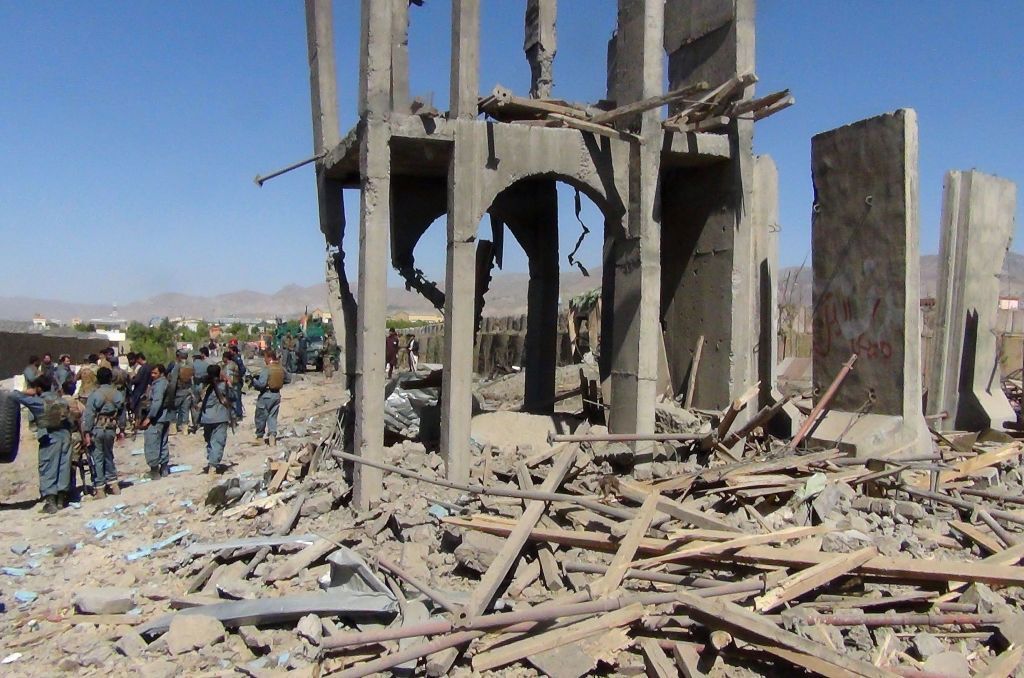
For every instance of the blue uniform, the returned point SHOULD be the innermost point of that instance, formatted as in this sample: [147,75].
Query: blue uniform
[54,447]
[104,413]
[156,447]
[268,404]
[61,376]
[31,373]
[215,416]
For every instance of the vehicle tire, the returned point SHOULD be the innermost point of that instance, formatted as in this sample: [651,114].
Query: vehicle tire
[10,427]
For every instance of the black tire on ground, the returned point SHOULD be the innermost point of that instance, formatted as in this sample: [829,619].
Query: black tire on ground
[10,427]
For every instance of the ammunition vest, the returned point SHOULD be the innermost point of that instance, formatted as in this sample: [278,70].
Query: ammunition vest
[275,377]
[56,413]
[186,372]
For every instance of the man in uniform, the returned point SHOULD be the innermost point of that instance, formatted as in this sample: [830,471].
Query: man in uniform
[300,352]
[200,361]
[391,351]
[104,413]
[64,375]
[31,372]
[216,417]
[232,372]
[184,377]
[288,348]
[139,386]
[158,424]
[268,404]
[51,417]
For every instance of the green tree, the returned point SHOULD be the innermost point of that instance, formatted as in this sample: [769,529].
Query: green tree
[85,327]
[157,343]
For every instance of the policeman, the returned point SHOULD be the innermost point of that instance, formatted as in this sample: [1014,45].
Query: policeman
[105,412]
[300,352]
[200,361]
[51,417]
[183,379]
[233,372]
[269,383]
[158,424]
[64,375]
[288,347]
[215,415]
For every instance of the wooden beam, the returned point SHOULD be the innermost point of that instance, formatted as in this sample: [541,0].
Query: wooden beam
[757,629]
[656,661]
[734,409]
[506,654]
[485,592]
[687,660]
[807,580]
[733,544]
[691,383]
[597,541]
[749,105]
[638,527]
[702,519]
[647,104]
[782,105]
[977,536]
[298,562]
[592,128]
[1006,663]
[969,466]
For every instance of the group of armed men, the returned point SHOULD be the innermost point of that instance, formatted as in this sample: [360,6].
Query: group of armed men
[77,416]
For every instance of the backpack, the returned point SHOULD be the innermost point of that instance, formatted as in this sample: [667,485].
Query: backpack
[185,374]
[56,413]
[275,377]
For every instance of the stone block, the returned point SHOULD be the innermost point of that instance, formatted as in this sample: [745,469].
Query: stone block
[104,600]
[192,632]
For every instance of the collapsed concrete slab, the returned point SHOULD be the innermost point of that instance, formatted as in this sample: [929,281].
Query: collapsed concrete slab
[964,388]
[864,239]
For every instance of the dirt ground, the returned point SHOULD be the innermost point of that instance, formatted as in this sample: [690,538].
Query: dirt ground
[45,559]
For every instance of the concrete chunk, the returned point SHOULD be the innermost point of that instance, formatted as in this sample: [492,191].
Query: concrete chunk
[193,632]
[104,600]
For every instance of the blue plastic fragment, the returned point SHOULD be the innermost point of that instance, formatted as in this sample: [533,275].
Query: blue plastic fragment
[101,525]
[438,511]
[14,571]
[25,596]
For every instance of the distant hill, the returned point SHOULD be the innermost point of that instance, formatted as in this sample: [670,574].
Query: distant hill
[795,283]
[507,296]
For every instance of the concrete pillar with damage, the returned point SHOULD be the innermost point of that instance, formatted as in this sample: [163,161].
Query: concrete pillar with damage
[540,45]
[632,257]
[463,211]
[374,226]
[326,135]
[708,278]
[964,376]
[864,235]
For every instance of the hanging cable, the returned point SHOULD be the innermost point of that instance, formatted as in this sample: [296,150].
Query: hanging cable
[573,261]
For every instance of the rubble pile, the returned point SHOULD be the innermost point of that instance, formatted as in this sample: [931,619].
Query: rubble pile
[566,559]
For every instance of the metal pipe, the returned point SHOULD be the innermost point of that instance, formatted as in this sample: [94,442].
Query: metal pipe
[904,619]
[1008,516]
[991,495]
[816,411]
[625,437]
[418,585]
[762,417]
[485,622]
[261,179]
[1007,538]
[537,495]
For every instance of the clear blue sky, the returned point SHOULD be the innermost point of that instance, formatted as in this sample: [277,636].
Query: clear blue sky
[130,131]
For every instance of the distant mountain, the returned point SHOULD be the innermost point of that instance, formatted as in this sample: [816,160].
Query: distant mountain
[795,282]
[506,296]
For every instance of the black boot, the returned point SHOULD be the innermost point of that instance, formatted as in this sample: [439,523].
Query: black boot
[165,471]
[62,500]
[50,504]
[154,472]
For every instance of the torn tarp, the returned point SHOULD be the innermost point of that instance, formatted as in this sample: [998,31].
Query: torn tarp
[412,405]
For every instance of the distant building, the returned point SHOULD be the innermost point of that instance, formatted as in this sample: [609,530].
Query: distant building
[321,315]
[406,317]
[40,322]
[1009,303]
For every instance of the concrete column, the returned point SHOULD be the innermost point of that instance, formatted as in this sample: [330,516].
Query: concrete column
[540,45]
[637,256]
[964,377]
[463,211]
[326,135]
[865,235]
[400,56]
[707,215]
[374,226]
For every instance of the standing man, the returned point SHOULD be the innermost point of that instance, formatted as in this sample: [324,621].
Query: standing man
[158,424]
[139,385]
[183,383]
[300,352]
[288,347]
[391,351]
[51,416]
[87,377]
[215,415]
[233,373]
[31,372]
[104,414]
[48,369]
[413,349]
[269,383]
[64,375]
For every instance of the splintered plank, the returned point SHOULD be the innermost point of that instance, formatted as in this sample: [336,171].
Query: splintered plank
[596,541]
[656,660]
[506,654]
[673,508]
[612,578]
[517,538]
[733,544]
[754,628]
[969,466]
[817,575]
[980,538]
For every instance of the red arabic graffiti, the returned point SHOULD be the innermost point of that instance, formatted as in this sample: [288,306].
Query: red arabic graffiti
[833,313]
